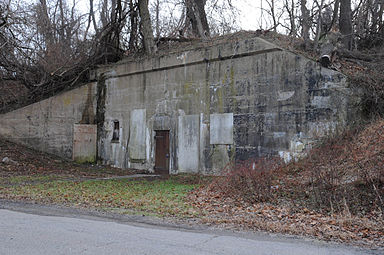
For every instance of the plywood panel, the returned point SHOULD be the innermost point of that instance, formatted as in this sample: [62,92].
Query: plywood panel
[137,136]
[84,143]
[221,128]
[188,143]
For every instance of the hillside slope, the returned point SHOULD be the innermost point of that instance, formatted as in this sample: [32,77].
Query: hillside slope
[336,193]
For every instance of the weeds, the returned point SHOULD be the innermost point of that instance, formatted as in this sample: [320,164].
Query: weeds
[251,181]
[346,174]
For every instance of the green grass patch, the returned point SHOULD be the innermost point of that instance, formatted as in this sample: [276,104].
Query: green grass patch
[154,197]
[26,179]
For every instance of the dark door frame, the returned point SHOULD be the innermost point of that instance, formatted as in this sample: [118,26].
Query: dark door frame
[162,154]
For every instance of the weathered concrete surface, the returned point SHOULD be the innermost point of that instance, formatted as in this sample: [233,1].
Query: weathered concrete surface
[188,143]
[23,233]
[279,103]
[84,143]
[48,124]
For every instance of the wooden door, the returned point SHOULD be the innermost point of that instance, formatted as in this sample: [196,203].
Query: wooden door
[162,152]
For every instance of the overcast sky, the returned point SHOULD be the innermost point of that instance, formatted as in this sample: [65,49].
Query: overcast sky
[250,15]
[249,12]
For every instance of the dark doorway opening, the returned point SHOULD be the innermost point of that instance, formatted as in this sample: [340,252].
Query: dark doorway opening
[162,151]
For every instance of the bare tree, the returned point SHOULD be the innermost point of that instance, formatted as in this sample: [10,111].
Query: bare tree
[319,23]
[305,23]
[146,27]
[91,19]
[290,8]
[3,14]
[345,23]
[196,18]
[335,15]
[274,13]
[157,20]
[133,17]
[367,21]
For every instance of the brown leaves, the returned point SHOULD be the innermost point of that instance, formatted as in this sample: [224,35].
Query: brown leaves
[31,162]
[235,213]
[329,195]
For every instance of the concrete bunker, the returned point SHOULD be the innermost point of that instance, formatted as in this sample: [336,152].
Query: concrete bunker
[195,111]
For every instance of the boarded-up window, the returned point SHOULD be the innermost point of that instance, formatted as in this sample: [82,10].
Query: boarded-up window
[188,143]
[116,131]
[84,143]
[137,135]
[221,128]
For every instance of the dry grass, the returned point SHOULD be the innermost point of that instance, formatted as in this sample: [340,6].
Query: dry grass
[333,194]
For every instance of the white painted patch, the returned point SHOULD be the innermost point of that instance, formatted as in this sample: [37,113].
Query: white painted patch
[188,143]
[284,95]
[137,136]
[221,128]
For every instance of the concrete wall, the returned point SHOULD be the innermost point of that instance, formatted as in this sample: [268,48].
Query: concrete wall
[236,100]
[48,124]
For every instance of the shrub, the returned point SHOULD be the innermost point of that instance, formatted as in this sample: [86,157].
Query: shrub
[346,173]
[250,181]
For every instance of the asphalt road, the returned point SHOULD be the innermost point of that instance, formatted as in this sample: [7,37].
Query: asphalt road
[26,233]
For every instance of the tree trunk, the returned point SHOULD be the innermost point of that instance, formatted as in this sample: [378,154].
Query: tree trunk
[157,19]
[319,25]
[62,23]
[91,18]
[271,4]
[113,11]
[290,8]
[104,14]
[305,23]
[146,27]
[377,13]
[133,21]
[47,25]
[345,23]
[335,14]
[3,15]
[197,18]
